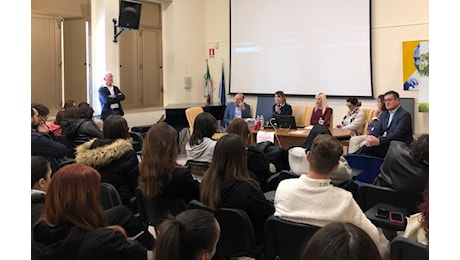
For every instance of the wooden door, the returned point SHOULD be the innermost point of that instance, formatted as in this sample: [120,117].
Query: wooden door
[75,56]
[46,66]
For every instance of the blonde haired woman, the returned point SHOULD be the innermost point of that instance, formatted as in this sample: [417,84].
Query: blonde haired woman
[321,111]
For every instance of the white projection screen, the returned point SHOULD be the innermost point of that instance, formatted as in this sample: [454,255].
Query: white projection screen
[302,47]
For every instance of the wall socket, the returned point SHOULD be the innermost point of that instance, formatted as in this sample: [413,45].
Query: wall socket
[187,82]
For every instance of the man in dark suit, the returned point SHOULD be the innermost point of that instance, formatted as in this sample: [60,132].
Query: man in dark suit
[110,97]
[393,124]
[236,109]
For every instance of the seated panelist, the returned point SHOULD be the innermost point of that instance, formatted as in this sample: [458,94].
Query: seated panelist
[281,107]
[237,109]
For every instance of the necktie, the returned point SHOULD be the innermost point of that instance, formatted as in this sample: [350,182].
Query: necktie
[391,118]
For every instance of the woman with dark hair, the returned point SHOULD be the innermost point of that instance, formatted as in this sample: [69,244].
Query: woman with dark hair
[227,183]
[340,240]
[354,119]
[114,157]
[41,176]
[73,224]
[192,234]
[257,161]
[281,107]
[78,126]
[201,145]
[359,140]
[160,174]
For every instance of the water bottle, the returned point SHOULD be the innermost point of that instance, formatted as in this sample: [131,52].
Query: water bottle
[262,122]
[321,121]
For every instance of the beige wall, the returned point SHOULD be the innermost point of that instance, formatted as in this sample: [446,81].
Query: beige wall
[190,27]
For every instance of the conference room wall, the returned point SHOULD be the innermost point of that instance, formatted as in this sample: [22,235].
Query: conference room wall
[392,23]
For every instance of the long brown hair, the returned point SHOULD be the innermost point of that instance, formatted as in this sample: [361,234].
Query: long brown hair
[228,163]
[239,127]
[159,156]
[73,197]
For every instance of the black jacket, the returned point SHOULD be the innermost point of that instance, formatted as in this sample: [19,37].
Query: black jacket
[117,163]
[79,131]
[182,185]
[52,150]
[401,172]
[242,195]
[68,242]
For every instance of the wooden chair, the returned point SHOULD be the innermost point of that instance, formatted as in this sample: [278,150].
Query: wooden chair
[299,111]
[285,239]
[191,114]
[368,117]
[308,114]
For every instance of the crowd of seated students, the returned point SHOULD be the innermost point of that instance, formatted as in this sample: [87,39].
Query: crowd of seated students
[73,225]
[114,157]
[236,178]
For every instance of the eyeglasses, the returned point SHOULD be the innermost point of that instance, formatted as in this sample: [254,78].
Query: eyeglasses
[389,100]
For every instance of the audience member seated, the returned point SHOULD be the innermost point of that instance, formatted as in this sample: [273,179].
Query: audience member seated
[299,164]
[227,183]
[281,107]
[340,240]
[78,127]
[417,224]
[73,224]
[200,147]
[69,103]
[114,157]
[311,198]
[393,124]
[192,234]
[406,169]
[258,163]
[355,118]
[42,144]
[321,111]
[41,176]
[43,113]
[55,125]
[236,109]
[96,120]
[160,175]
[359,140]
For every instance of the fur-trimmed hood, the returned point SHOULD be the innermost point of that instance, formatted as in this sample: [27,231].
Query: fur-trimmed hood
[101,152]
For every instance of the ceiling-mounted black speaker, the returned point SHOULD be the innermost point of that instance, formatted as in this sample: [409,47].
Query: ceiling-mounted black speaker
[130,15]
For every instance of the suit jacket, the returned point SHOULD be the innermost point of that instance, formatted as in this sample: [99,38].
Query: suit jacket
[400,129]
[106,101]
[229,113]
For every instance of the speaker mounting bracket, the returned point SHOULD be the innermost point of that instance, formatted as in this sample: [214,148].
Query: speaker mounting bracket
[115,33]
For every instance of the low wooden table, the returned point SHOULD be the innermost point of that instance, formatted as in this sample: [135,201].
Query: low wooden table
[286,138]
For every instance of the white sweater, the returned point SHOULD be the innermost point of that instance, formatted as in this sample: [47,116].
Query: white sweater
[317,202]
